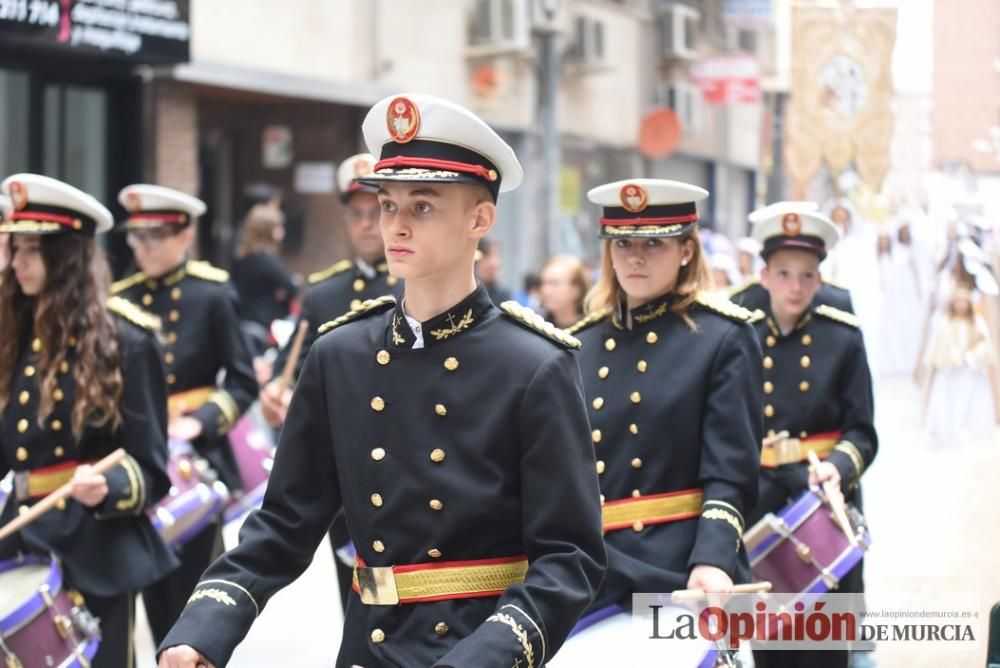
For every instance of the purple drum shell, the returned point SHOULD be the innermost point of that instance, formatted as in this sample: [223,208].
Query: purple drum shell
[776,560]
[191,505]
[254,451]
[30,633]
[241,504]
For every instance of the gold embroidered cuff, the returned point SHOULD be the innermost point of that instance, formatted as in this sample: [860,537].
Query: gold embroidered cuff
[527,648]
[852,451]
[720,510]
[230,411]
[221,595]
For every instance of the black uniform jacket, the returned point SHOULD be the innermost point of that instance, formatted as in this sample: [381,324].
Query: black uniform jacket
[201,338]
[816,381]
[672,408]
[332,292]
[474,447]
[112,548]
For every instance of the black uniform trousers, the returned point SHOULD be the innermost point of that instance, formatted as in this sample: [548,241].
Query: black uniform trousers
[117,620]
[165,598]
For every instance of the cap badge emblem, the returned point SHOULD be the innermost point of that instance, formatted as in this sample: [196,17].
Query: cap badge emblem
[403,120]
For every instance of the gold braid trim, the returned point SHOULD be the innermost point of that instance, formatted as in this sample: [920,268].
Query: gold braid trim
[522,635]
[537,323]
[368,306]
[135,314]
[537,630]
[587,321]
[226,404]
[135,486]
[127,282]
[234,586]
[730,508]
[332,270]
[837,315]
[205,271]
[852,451]
[725,516]
[723,306]
[216,595]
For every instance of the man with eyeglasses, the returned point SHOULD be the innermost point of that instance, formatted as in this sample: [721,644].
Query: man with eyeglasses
[339,288]
[201,337]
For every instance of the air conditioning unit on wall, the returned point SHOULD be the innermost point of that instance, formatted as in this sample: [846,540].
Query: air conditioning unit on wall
[499,26]
[686,101]
[678,30]
[590,46]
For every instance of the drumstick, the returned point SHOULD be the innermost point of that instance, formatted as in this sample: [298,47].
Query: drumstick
[293,356]
[684,595]
[50,501]
[839,511]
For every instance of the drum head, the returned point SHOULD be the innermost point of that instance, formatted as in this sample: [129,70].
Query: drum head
[621,640]
[19,584]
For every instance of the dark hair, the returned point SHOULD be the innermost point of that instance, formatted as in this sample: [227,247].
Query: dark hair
[70,306]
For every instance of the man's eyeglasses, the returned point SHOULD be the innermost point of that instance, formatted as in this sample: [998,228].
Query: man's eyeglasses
[353,214]
[149,238]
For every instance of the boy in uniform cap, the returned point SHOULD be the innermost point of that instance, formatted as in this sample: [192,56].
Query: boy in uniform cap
[752,295]
[339,288]
[201,336]
[453,432]
[59,341]
[817,385]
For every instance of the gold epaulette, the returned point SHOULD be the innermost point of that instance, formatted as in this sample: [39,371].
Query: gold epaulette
[587,321]
[745,285]
[757,316]
[723,306]
[537,323]
[837,315]
[367,307]
[332,270]
[205,271]
[135,314]
[127,282]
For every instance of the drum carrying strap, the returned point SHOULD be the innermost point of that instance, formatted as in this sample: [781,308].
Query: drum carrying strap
[443,581]
[639,511]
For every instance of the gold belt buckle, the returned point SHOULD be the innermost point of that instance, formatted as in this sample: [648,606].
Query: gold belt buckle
[788,450]
[377,585]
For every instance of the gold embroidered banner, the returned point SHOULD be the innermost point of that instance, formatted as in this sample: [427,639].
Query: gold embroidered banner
[840,109]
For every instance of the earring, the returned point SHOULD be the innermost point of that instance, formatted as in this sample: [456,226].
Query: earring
[684,263]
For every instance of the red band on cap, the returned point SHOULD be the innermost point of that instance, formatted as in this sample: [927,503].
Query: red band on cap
[165,217]
[631,222]
[45,217]
[434,163]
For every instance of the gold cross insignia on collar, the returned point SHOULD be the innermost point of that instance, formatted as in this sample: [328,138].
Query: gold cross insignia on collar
[464,323]
[652,313]
[397,338]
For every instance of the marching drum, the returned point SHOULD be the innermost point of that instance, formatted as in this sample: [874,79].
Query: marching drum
[608,637]
[196,496]
[42,624]
[803,549]
[253,447]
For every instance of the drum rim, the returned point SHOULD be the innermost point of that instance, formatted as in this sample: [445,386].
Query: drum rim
[35,605]
[180,505]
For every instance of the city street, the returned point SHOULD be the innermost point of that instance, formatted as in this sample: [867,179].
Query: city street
[934,513]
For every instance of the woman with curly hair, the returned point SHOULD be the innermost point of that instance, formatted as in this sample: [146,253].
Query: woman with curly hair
[673,378]
[79,378]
